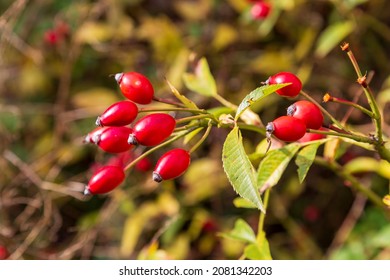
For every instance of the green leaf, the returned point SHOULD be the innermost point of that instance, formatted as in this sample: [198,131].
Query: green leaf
[273,165]
[305,158]
[332,36]
[367,164]
[239,169]
[242,232]
[258,252]
[191,135]
[187,102]
[201,81]
[240,202]
[382,238]
[256,95]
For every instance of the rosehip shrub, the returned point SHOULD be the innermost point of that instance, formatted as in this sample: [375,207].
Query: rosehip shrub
[291,90]
[152,129]
[136,87]
[287,128]
[105,180]
[171,165]
[114,139]
[308,112]
[118,114]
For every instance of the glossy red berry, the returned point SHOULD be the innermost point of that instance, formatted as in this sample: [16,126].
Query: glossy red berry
[260,10]
[94,136]
[143,165]
[3,253]
[114,139]
[286,128]
[118,114]
[152,129]
[171,165]
[105,180]
[135,86]
[291,90]
[308,112]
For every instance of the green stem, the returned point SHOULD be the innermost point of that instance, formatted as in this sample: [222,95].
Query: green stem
[195,111]
[350,136]
[340,171]
[166,101]
[323,110]
[353,104]
[173,139]
[253,128]
[226,103]
[197,117]
[260,227]
[201,140]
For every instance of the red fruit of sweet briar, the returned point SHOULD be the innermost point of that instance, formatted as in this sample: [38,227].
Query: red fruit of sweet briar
[3,253]
[172,164]
[51,37]
[260,10]
[143,165]
[135,86]
[105,180]
[291,90]
[94,136]
[152,129]
[286,128]
[114,139]
[308,112]
[118,114]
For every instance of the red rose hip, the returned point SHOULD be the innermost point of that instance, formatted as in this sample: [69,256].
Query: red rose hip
[114,139]
[152,129]
[260,10]
[94,136]
[118,114]
[308,112]
[135,86]
[286,128]
[291,90]
[105,180]
[171,165]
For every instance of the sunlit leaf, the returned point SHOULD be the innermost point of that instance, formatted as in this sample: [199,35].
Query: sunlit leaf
[240,202]
[187,102]
[368,164]
[273,165]
[332,36]
[242,232]
[238,168]
[201,81]
[256,95]
[305,158]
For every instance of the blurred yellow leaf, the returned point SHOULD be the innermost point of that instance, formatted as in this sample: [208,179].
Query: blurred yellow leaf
[180,247]
[193,10]
[177,68]
[94,32]
[271,62]
[95,99]
[32,80]
[224,36]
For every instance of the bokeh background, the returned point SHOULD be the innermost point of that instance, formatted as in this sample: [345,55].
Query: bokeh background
[55,60]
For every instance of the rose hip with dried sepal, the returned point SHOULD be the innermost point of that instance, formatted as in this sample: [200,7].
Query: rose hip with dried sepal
[114,139]
[105,180]
[291,90]
[94,136]
[171,165]
[286,128]
[118,114]
[136,87]
[308,112]
[152,129]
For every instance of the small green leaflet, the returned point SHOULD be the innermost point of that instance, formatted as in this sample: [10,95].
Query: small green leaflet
[305,158]
[273,165]
[187,102]
[242,232]
[202,81]
[256,95]
[239,169]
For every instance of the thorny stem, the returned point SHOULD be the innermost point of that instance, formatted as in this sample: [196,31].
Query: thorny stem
[201,140]
[350,136]
[148,152]
[340,171]
[323,110]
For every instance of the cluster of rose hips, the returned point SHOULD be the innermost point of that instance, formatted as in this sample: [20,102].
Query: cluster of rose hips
[114,135]
[56,34]
[301,115]
[260,9]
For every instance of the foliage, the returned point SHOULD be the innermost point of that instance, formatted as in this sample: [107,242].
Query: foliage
[321,199]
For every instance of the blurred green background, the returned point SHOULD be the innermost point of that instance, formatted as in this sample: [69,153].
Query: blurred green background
[55,61]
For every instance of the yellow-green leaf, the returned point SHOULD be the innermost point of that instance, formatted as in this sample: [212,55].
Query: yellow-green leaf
[239,169]
[305,158]
[187,102]
[202,81]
